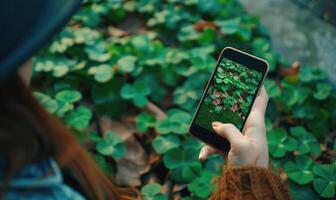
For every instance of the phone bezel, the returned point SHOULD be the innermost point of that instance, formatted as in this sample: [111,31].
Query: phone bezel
[242,58]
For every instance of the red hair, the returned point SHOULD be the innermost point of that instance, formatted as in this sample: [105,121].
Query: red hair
[29,133]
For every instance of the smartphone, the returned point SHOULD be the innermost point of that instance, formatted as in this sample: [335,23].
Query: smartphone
[229,95]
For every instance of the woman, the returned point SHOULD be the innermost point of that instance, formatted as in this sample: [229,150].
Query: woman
[41,159]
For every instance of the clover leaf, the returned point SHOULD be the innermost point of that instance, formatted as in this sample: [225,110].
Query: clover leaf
[306,141]
[62,42]
[177,121]
[145,121]
[207,36]
[103,164]
[102,73]
[111,145]
[185,96]
[300,171]
[273,90]
[262,48]
[305,111]
[205,62]
[290,95]
[309,74]
[127,63]
[176,56]
[137,92]
[63,108]
[98,52]
[325,183]
[200,186]
[57,66]
[49,103]
[105,98]
[229,26]
[184,163]
[162,144]
[279,142]
[214,164]
[79,119]
[323,91]
[151,191]
[69,96]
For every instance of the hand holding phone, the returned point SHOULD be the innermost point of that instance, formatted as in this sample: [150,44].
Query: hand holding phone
[249,147]
[228,98]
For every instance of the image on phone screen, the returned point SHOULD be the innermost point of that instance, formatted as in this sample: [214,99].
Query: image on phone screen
[229,95]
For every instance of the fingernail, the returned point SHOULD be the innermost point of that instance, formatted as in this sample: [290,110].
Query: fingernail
[216,124]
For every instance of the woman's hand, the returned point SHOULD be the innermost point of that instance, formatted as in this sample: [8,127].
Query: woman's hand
[247,148]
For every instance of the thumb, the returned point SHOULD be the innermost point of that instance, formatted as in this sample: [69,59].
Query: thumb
[229,132]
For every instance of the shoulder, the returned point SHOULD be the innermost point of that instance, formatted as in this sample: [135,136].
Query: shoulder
[39,180]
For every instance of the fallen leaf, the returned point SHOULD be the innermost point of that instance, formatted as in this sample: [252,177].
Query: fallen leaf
[116,32]
[216,101]
[292,71]
[201,25]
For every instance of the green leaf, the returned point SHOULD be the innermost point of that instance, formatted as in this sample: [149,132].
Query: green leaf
[98,52]
[79,119]
[184,163]
[279,142]
[290,95]
[60,71]
[127,91]
[300,171]
[262,48]
[214,164]
[306,142]
[63,108]
[127,63]
[111,145]
[102,73]
[229,26]
[323,91]
[103,164]
[177,121]
[162,144]
[151,191]
[140,100]
[325,184]
[174,158]
[309,74]
[302,192]
[145,121]
[46,101]
[272,89]
[325,188]
[200,186]
[106,97]
[137,92]
[69,96]
[207,36]
[59,66]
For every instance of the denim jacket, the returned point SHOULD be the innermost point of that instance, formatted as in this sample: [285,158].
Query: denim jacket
[37,181]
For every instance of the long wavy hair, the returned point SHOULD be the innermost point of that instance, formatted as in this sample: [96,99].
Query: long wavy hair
[29,133]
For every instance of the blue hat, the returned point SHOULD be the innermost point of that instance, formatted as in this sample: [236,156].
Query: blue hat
[27,25]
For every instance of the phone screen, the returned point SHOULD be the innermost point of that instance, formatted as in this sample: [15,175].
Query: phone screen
[229,95]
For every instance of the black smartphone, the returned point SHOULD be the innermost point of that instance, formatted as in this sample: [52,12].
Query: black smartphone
[229,95]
